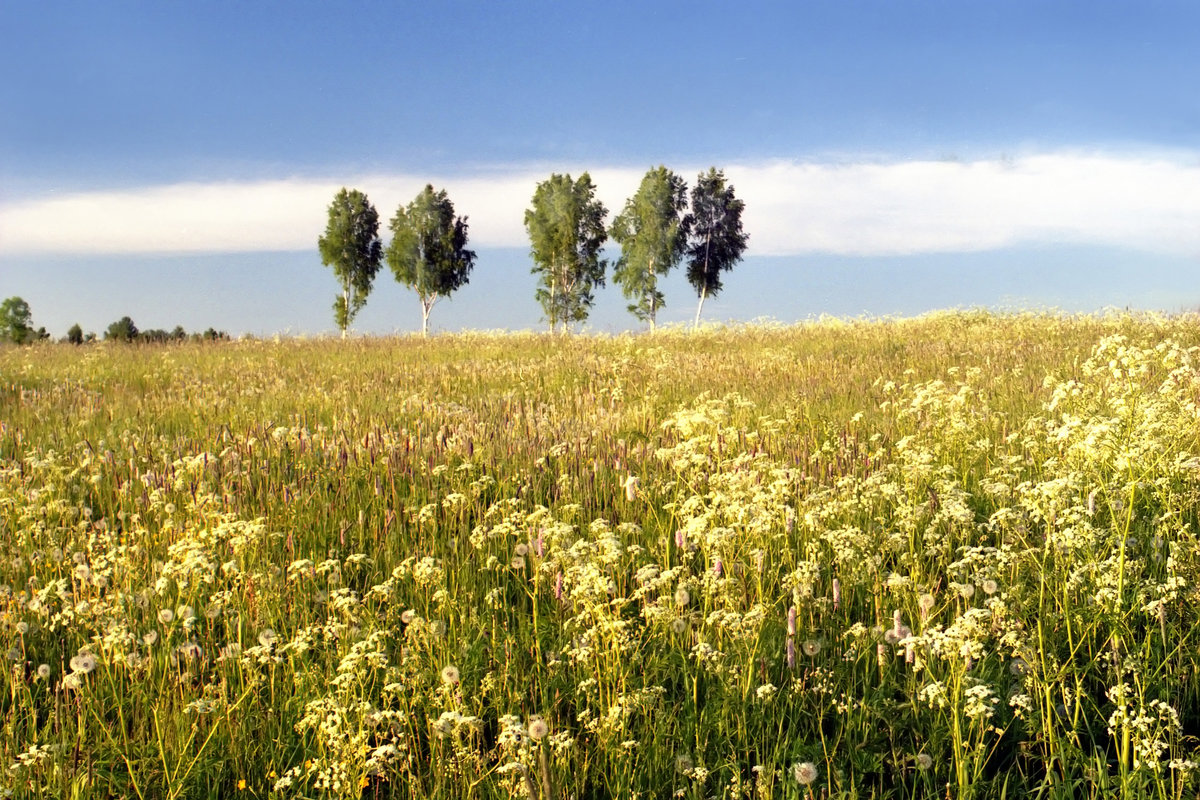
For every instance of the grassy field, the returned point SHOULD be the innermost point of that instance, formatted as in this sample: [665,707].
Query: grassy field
[954,556]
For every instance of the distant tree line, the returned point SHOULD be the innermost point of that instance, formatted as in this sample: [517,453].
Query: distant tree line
[657,230]
[16,326]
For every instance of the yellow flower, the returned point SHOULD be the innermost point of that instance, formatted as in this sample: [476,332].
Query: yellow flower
[242,784]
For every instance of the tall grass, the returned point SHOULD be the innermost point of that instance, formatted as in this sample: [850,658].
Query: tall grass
[948,556]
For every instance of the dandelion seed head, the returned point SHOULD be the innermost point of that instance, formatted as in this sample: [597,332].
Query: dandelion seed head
[267,637]
[450,675]
[166,616]
[83,663]
[538,728]
[924,761]
[811,647]
[682,597]
[43,671]
[805,772]
[989,586]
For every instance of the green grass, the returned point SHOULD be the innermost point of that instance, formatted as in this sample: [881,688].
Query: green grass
[955,555]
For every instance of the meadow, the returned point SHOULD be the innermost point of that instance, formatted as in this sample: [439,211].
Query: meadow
[952,556]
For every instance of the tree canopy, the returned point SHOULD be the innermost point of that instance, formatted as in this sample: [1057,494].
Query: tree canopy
[653,233]
[123,330]
[566,233]
[428,249]
[16,321]
[351,246]
[717,240]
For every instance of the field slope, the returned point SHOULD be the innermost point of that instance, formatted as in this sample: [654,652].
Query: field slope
[948,556]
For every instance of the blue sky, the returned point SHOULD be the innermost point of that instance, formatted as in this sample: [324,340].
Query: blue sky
[173,161]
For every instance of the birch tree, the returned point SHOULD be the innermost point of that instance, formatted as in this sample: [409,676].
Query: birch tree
[653,233]
[428,252]
[566,232]
[351,246]
[717,240]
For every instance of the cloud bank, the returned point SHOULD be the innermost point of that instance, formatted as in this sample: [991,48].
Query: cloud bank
[1148,203]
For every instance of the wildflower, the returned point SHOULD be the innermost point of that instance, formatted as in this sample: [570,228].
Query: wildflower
[811,647]
[165,616]
[72,681]
[538,728]
[967,590]
[150,638]
[925,603]
[924,761]
[679,626]
[805,772]
[242,784]
[837,593]
[450,675]
[267,637]
[437,627]
[408,616]
[791,621]
[22,628]
[43,671]
[791,653]
[989,586]
[684,764]
[518,562]
[682,597]
[521,549]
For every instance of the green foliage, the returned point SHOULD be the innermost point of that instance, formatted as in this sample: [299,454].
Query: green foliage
[16,321]
[123,330]
[351,246]
[653,233]
[717,241]
[75,334]
[566,231]
[428,249]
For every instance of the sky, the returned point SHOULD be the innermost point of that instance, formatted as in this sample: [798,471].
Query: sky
[173,162]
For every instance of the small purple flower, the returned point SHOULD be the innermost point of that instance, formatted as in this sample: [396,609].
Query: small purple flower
[791,653]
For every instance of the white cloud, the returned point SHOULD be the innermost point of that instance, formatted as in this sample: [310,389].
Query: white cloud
[1144,202]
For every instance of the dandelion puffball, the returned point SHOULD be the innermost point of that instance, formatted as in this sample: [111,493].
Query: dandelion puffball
[805,772]
[538,728]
